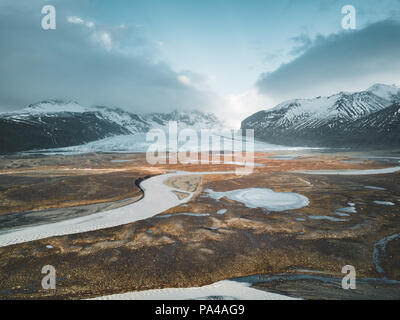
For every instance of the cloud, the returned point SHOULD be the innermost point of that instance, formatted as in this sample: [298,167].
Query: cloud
[243,105]
[196,80]
[84,60]
[303,43]
[184,80]
[75,20]
[78,20]
[349,60]
[105,39]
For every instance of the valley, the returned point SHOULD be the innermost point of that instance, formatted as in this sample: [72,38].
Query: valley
[204,239]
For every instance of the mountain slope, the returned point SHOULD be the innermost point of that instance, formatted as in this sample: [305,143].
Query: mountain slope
[380,128]
[336,121]
[49,131]
[57,123]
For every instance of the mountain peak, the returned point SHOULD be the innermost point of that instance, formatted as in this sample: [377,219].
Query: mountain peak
[382,86]
[54,106]
[342,119]
[384,91]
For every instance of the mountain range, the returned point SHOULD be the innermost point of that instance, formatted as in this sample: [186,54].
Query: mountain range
[366,119]
[369,118]
[56,123]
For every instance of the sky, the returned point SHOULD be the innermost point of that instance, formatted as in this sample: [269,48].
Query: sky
[230,57]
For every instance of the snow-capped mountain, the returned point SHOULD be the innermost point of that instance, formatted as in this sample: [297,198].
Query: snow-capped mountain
[340,120]
[57,108]
[57,123]
[53,106]
[134,123]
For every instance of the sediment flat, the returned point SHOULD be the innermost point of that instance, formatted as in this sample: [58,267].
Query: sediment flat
[202,240]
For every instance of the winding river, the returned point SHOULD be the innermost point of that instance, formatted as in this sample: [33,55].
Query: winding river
[158,197]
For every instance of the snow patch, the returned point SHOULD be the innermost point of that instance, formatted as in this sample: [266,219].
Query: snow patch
[351,172]
[226,290]
[326,218]
[263,198]
[350,209]
[384,203]
[374,188]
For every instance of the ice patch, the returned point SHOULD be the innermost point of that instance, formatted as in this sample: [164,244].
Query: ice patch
[222,161]
[231,290]
[263,198]
[326,218]
[352,161]
[351,172]
[222,211]
[384,203]
[190,214]
[341,214]
[137,143]
[374,188]
[121,161]
[350,209]
[283,157]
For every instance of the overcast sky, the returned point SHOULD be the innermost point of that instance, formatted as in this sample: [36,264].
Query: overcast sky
[231,57]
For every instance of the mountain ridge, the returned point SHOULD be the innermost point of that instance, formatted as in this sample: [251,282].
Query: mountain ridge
[332,121]
[62,123]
